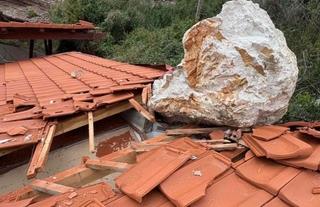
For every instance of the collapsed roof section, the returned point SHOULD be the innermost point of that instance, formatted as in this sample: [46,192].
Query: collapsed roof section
[35,94]
[183,172]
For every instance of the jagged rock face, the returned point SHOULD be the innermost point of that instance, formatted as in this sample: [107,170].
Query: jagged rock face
[237,70]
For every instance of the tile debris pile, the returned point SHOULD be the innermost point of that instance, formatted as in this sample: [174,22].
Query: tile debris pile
[279,170]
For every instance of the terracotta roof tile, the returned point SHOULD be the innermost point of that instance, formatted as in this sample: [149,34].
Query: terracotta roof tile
[284,147]
[233,191]
[268,132]
[189,184]
[186,144]
[217,134]
[299,191]
[311,162]
[101,191]
[313,132]
[21,203]
[81,25]
[276,202]
[153,199]
[266,174]
[151,171]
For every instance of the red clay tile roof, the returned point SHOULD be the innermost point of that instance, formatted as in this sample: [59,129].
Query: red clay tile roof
[39,30]
[35,25]
[52,84]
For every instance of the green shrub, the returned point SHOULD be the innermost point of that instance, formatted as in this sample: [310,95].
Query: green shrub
[303,106]
[161,46]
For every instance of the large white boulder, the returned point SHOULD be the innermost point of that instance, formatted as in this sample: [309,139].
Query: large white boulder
[237,70]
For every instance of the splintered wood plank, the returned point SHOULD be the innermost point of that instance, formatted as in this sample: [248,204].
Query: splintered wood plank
[191,131]
[145,95]
[46,148]
[141,110]
[91,132]
[50,187]
[31,172]
[107,165]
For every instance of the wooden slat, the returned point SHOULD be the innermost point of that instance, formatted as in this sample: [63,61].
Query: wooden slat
[107,165]
[142,110]
[143,147]
[91,132]
[82,120]
[50,187]
[46,148]
[222,147]
[191,131]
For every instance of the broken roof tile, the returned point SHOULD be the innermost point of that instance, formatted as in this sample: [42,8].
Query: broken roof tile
[268,132]
[31,137]
[232,191]
[153,199]
[217,134]
[284,147]
[186,144]
[151,171]
[189,184]
[266,174]
[112,98]
[302,124]
[312,161]
[298,192]
[310,131]
[101,191]
[32,113]
[21,203]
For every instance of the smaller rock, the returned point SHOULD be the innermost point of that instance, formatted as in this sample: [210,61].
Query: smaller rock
[72,195]
[197,173]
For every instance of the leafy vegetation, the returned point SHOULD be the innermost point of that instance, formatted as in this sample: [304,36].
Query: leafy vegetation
[150,31]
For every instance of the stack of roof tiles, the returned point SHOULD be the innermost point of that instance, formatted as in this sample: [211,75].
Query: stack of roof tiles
[59,85]
[186,173]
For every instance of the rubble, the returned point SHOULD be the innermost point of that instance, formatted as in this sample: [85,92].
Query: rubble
[187,174]
[237,71]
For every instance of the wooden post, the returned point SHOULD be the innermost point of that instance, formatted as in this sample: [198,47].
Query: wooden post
[31,46]
[45,42]
[49,47]
[91,132]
